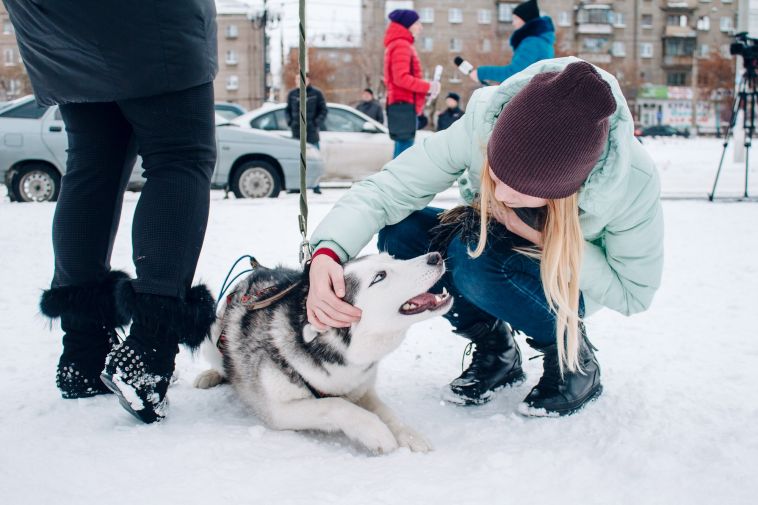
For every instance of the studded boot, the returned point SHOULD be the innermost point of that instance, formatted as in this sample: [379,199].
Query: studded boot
[496,363]
[89,317]
[139,369]
[560,396]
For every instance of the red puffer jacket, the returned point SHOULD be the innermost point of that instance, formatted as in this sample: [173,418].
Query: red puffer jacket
[398,55]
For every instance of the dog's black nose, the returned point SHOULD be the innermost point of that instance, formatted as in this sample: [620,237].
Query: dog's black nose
[434,259]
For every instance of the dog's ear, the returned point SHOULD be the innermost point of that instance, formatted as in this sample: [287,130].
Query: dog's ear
[310,333]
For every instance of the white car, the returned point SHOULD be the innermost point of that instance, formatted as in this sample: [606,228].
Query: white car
[353,145]
[252,164]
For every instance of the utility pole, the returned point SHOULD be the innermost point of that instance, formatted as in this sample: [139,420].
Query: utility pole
[694,94]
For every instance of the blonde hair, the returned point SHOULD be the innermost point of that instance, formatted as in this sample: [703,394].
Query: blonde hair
[560,262]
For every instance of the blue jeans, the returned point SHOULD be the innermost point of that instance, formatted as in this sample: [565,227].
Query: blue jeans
[400,146]
[500,284]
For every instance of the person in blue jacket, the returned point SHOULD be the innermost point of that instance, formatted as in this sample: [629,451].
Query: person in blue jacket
[532,41]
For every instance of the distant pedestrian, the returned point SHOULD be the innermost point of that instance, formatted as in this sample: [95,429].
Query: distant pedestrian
[406,90]
[371,106]
[316,112]
[130,78]
[532,41]
[452,113]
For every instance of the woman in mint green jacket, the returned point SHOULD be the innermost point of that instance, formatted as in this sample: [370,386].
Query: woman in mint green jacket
[569,221]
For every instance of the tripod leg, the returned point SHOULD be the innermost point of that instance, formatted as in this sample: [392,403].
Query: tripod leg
[749,137]
[729,130]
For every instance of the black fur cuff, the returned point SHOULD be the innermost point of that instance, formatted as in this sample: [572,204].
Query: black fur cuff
[94,301]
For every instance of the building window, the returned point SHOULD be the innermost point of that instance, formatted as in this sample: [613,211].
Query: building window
[455,15]
[7,28]
[427,44]
[679,47]
[456,45]
[726,1]
[484,16]
[725,51]
[232,32]
[486,46]
[232,83]
[593,16]
[705,50]
[646,50]
[704,23]
[618,49]
[676,78]
[676,20]
[594,44]
[426,15]
[564,19]
[618,19]
[505,12]
[8,57]
[647,21]
[726,24]
[231,57]
[14,87]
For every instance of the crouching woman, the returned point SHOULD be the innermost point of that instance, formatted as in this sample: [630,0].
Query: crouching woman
[569,221]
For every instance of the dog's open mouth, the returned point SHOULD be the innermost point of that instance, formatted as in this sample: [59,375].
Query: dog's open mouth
[425,301]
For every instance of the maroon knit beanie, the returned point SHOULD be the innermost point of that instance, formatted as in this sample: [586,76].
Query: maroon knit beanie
[551,134]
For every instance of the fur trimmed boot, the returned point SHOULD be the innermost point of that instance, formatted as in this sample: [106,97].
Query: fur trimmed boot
[89,317]
[496,363]
[561,396]
[139,369]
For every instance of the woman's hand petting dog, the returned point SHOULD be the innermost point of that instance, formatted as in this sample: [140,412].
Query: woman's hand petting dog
[324,304]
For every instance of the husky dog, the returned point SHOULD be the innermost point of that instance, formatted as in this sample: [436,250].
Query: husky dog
[294,377]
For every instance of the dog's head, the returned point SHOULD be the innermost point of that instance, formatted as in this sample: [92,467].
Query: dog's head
[392,295]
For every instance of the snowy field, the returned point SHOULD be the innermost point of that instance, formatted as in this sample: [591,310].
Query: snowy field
[675,425]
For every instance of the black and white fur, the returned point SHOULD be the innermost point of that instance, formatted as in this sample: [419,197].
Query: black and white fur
[296,378]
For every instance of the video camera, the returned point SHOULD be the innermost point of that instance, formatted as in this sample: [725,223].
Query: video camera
[747,47]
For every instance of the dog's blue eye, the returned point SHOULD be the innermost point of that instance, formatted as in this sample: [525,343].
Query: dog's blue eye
[378,278]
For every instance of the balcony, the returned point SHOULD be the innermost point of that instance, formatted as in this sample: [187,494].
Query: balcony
[595,57]
[679,6]
[678,61]
[679,31]
[594,19]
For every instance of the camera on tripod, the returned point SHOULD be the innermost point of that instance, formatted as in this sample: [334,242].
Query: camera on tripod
[747,47]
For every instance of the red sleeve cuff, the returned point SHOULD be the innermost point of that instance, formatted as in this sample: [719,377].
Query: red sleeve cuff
[328,252]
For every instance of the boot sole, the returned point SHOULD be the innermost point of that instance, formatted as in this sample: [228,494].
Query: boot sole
[530,411]
[511,381]
[146,416]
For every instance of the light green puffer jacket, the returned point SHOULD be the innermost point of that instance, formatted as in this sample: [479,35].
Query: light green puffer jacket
[620,210]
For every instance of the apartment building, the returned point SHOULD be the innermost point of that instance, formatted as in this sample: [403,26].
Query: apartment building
[13,80]
[243,71]
[643,43]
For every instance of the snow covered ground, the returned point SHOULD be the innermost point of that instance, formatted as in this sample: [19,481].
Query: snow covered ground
[676,424]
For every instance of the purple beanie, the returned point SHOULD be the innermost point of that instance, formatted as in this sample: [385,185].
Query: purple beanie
[551,134]
[405,17]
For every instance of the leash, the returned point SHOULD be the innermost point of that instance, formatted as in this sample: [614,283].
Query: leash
[305,248]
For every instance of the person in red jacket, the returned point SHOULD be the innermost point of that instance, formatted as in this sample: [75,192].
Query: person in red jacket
[402,77]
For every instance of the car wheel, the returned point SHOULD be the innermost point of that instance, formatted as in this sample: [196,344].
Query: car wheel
[256,179]
[36,183]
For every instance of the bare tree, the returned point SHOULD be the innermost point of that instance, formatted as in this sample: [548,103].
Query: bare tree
[14,81]
[319,70]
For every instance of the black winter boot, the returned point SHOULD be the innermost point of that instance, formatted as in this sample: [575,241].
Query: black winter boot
[89,318]
[496,363]
[555,396]
[139,369]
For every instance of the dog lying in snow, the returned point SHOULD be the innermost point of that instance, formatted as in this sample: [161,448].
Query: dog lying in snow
[296,378]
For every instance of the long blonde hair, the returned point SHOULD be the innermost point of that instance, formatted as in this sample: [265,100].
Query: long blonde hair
[560,262]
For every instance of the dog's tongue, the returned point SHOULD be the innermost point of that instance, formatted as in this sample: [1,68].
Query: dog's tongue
[423,300]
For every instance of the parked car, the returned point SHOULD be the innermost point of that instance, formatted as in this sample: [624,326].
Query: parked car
[251,163]
[661,131]
[229,110]
[353,145]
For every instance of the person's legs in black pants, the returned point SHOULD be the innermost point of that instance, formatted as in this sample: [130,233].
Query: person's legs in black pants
[101,155]
[175,133]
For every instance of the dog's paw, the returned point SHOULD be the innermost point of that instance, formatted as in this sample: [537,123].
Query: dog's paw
[208,379]
[413,440]
[374,435]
